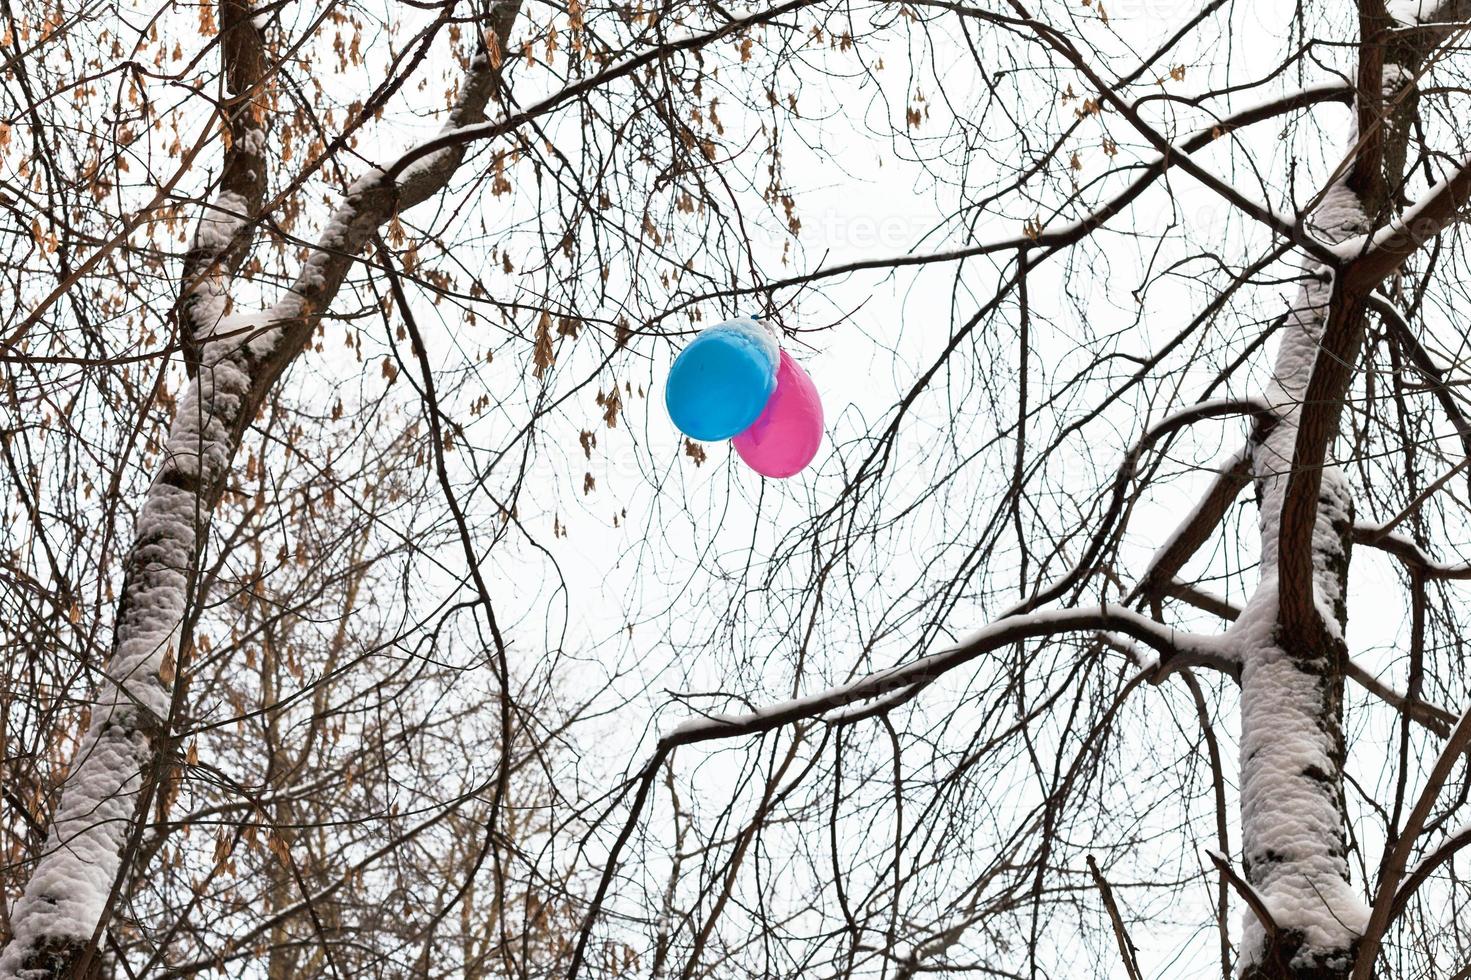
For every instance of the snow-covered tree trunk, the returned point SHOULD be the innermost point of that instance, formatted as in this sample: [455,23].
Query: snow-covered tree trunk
[1293,651]
[1292,748]
[57,922]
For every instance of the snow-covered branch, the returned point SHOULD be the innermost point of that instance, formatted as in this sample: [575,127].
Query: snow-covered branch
[1370,258]
[1172,646]
[1409,553]
[1432,716]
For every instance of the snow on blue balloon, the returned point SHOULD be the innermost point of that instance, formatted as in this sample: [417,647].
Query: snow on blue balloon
[722,381]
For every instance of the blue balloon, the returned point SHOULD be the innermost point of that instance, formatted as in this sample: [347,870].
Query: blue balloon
[722,381]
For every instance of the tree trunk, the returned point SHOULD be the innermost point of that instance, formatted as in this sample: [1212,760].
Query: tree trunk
[68,897]
[1292,749]
[1294,815]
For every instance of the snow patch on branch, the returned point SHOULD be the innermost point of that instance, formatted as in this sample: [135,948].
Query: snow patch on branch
[253,141]
[148,629]
[1410,225]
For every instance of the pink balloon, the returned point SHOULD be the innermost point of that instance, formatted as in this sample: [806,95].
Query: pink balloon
[784,438]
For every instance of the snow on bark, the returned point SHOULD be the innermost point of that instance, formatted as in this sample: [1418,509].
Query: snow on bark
[1292,750]
[67,893]
[65,896]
